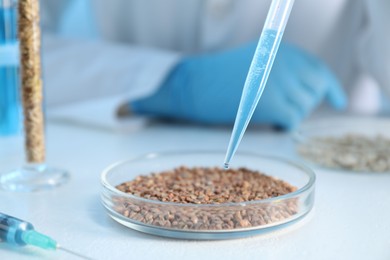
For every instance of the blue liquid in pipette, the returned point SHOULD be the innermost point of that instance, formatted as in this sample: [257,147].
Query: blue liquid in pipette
[10,105]
[253,88]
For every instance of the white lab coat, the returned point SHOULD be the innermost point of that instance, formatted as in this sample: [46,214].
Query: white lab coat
[122,49]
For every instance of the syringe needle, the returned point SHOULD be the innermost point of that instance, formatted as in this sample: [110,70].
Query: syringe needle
[19,232]
[73,253]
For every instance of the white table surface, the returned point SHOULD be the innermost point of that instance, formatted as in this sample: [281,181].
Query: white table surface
[350,219]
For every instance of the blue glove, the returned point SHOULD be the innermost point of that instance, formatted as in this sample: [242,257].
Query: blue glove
[207,88]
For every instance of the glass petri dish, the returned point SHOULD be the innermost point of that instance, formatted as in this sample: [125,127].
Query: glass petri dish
[262,215]
[346,143]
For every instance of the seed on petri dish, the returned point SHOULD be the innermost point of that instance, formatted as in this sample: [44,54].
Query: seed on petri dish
[206,185]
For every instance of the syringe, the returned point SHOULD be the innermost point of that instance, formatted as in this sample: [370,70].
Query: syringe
[21,233]
[259,70]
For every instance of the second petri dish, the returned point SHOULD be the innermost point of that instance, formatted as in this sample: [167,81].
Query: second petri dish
[348,143]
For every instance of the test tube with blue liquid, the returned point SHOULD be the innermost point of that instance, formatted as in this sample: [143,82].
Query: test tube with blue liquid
[10,106]
[259,71]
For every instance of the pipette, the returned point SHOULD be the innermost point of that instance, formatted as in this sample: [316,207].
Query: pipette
[259,70]
[21,233]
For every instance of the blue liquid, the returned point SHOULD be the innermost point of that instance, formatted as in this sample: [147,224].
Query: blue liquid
[10,105]
[254,85]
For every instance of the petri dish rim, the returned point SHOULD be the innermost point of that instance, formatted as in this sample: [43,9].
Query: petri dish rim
[306,170]
[321,125]
[202,234]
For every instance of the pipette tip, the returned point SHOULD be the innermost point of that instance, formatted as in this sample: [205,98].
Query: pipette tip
[226,165]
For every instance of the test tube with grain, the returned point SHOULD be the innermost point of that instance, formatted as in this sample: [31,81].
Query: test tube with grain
[31,80]
[36,175]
